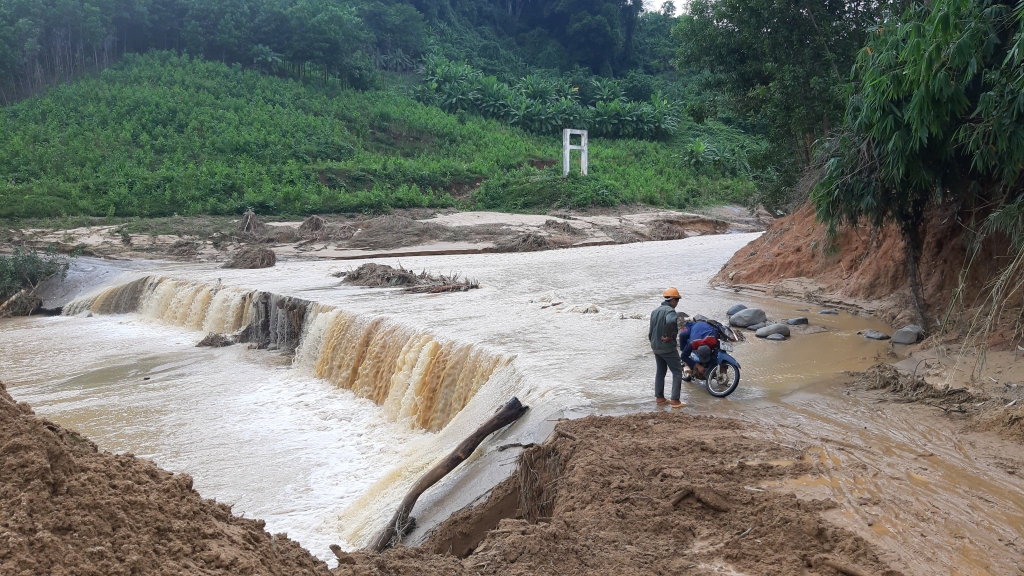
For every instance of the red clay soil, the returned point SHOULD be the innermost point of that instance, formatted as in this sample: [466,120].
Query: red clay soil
[68,509]
[869,264]
[662,493]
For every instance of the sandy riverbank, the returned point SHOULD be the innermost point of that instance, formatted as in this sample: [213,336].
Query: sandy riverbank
[403,233]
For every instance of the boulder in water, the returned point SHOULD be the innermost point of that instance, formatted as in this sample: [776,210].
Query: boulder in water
[214,340]
[916,329]
[767,331]
[832,311]
[905,336]
[756,327]
[797,321]
[775,337]
[735,309]
[748,317]
[875,335]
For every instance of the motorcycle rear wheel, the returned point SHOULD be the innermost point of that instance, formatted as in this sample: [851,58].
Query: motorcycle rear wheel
[723,380]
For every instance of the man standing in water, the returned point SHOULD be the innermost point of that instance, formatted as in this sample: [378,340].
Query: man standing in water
[663,342]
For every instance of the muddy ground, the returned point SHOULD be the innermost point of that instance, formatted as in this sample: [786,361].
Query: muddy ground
[659,493]
[404,232]
[889,477]
[68,509]
[665,492]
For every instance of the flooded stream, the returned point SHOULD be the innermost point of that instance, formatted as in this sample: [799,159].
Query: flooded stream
[321,444]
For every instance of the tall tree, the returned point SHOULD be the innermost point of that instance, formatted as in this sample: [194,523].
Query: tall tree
[779,63]
[936,114]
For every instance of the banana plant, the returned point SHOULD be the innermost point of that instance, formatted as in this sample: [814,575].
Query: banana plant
[493,98]
[606,90]
[536,88]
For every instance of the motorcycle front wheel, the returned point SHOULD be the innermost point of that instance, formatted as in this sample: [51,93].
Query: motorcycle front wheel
[723,380]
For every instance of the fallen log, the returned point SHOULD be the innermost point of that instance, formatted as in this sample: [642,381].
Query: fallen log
[400,522]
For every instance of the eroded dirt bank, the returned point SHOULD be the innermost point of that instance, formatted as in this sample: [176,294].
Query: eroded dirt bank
[68,509]
[656,493]
[867,271]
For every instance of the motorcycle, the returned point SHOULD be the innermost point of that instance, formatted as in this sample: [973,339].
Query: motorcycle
[724,375]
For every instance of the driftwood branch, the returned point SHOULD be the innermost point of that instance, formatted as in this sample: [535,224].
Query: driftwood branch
[396,528]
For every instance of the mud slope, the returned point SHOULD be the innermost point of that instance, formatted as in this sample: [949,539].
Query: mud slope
[662,493]
[869,270]
[68,509]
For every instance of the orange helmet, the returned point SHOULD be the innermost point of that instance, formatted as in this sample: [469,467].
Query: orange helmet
[671,293]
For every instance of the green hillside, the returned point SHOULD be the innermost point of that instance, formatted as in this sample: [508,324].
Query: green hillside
[160,134]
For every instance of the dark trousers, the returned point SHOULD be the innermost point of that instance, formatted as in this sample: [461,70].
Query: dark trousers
[667,361]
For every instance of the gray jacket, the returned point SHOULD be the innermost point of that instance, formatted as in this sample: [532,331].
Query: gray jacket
[663,323]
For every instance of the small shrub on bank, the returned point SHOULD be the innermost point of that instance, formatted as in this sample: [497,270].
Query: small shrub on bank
[27,268]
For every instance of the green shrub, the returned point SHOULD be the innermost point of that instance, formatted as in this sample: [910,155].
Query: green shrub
[26,268]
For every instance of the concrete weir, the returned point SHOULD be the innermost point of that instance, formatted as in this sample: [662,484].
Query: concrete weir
[414,376]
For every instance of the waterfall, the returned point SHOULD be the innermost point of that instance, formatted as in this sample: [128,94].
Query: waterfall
[415,377]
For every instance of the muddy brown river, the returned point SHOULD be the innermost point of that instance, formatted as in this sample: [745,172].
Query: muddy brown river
[321,444]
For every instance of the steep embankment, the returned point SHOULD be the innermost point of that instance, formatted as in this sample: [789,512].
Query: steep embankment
[66,508]
[868,269]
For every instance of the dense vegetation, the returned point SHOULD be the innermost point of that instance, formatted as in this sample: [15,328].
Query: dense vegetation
[546,106]
[297,106]
[45,41]
[936,116]
[161,134]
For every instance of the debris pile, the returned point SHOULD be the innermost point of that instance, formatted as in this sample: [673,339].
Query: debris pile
[384,276]
[250,257]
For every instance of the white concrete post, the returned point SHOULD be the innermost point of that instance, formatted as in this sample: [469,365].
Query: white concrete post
[567,147]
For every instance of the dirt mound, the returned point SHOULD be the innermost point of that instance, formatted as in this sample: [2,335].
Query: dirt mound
[250,257]
[70,509]
[616,496]
[868,265]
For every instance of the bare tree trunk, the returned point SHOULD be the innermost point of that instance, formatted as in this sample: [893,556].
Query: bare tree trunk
[912,242]
[396,528]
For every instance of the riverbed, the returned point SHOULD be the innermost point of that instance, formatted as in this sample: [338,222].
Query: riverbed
[563,330]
